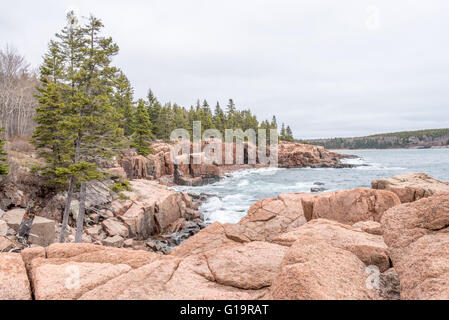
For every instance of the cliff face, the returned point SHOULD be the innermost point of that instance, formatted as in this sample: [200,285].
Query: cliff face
[159,165]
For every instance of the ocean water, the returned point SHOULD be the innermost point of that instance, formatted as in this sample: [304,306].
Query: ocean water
[232,196]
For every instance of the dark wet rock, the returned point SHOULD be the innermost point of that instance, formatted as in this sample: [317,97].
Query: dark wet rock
[389,285]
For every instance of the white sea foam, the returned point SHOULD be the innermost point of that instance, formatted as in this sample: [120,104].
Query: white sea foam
[243,183]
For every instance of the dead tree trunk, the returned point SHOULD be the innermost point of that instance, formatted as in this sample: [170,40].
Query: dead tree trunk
[82,211]
[65,218]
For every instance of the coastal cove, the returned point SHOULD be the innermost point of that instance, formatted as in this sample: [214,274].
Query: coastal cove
[229,199]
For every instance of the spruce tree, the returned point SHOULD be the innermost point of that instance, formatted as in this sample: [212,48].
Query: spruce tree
[165,123]
[274,124]
[51,139]
[219,119]
[289,134]
[154,111]
[122,101]
[207,121]
[3,166]
[142,136]
[283,135]
[180,118]
[98,135]
[231,115]
[79,99]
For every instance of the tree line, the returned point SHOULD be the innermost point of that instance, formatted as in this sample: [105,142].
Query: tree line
[86,113]
[17,89]
[165,118]
[403,139]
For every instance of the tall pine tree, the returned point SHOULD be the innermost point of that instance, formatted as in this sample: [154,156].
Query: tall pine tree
[51,139]
[289,134]
[79,96]
[142,136]
[122,100]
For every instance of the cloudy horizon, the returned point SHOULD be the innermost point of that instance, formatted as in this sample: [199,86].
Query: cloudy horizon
[327,69]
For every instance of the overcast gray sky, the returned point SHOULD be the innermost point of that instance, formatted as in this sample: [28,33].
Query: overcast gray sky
[328,68]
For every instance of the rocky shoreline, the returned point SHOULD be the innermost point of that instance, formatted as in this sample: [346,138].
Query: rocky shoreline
[159,166]
[149,216]
[366,244]
[151,242]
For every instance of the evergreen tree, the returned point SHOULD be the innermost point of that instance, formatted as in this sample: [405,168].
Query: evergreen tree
[289,134]
[180,118]
[3,166]
[51,138]
[165,123]
[219,119]
[142,131]
[79,99]
[231,115]
[274,124]
[154,111]
[122,101]
[98,135]
[283,134]
[207,121]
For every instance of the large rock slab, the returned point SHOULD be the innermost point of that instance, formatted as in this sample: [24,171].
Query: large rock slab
[352,206]
[81,271]
[233,273]
[412,186]
[149,209]
[270,217]
[370,249]
[170,278]
[70,280]
[67,271]
[85,252]
[248,266]
[417,235]
[210,238]
[320,271]
[14,284]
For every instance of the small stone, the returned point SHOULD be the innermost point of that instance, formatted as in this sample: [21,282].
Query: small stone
[115,241]
[115,228]
[14,218]
[5,244]
[128,243]
[316,190]
[3,228]
[93,231]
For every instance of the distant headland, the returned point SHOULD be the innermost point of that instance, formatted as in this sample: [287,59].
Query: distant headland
[420,139]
